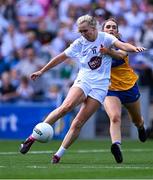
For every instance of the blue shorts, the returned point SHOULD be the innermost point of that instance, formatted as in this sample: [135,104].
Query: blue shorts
[128,96]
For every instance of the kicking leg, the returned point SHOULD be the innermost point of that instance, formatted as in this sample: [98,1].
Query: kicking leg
[86,111]
[74,98]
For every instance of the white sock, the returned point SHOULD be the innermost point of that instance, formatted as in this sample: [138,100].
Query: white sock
[60,151]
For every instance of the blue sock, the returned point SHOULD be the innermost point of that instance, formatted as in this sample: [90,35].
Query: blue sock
[117,142]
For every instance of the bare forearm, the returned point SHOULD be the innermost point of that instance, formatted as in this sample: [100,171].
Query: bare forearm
[53,62]
[117,54]
[128,47]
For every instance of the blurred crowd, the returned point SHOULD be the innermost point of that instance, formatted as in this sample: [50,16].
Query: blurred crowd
[34,31]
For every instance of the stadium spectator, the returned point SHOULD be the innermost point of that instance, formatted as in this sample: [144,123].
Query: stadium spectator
[73,9]
[43,35]
[125,29]
[31,12]
[15,78]
[3,21]
[4,65]
[45,4]
[12,40]
[135,18]
[7,90]
[99,15]
[144,5]
[58,44]
[53,93]
[16,57]
[30,63]
[52,21]
[145,34]
[33,42]
[68,70]
[23,27]
[119,7]
[25,91]
[91,84]
[70,31]
[10,11]
[143,67]
[63,10]
[101,5]
[150,10]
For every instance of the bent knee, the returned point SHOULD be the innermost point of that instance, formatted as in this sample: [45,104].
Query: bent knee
[66,107]
[76,125]
[116,119]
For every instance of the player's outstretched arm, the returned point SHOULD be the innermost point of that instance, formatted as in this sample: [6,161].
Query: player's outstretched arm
[128,47]
[52,63]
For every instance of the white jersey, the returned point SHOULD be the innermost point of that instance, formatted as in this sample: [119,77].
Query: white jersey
[94,69]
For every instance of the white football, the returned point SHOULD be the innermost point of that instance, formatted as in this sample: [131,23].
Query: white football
[43,132]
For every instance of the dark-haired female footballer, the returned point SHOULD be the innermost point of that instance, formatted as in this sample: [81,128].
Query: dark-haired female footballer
[122,91]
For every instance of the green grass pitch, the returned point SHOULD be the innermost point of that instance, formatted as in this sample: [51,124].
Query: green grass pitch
[84,160]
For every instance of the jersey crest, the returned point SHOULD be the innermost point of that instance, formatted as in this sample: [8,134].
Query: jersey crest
[95,62]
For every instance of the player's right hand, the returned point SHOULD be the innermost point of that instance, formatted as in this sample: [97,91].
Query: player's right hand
[35,75]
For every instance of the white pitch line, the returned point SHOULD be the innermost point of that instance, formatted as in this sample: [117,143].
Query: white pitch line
[30,152]
[92,167]
[37,167]
[108,167]
[78,151]
[96,167]
[2,166]
[118,167]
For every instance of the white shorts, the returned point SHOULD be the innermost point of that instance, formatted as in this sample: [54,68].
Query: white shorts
[98,93]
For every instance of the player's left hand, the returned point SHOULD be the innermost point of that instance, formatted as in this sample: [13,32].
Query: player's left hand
[104,50]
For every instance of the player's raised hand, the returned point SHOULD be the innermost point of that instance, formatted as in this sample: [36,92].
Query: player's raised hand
[35,75]
[139,49]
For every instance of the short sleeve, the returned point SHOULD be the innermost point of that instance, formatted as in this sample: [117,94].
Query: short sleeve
[73,51]
[109,40]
